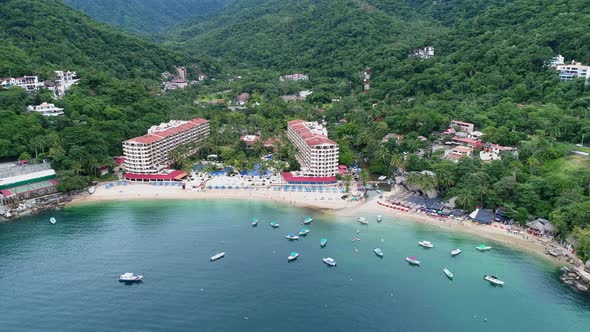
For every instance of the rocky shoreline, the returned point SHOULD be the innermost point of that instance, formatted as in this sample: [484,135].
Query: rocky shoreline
[575,278]
[575,274]
[35,205]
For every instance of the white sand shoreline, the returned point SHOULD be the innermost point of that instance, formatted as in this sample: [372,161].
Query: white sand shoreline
[329,203]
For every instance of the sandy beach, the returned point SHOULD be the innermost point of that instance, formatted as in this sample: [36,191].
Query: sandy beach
[316,200]
[329,203]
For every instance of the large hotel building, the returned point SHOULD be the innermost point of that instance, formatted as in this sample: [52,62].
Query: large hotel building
[149,154]
[318,155]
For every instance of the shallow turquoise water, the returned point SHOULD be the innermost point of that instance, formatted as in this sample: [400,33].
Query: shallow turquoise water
[62,277]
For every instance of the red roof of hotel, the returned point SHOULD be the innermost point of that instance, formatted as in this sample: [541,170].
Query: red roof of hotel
[154,137]
[307,135]
[175,175]
[308,179]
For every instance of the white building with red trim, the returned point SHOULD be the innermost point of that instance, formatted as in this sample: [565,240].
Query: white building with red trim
[149,154]
[318,155]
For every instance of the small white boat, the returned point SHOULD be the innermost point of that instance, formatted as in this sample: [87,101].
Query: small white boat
[330,261]
[274,224]
[293,256]
[494,280]
[379,218]
[308,220]
[130,277]
[292,236]
[483,247]
[378,252]
[363,220]
[52,220]
[354,239]
[412,260]
[426,244]
[217,256]
[448,273]
[455,252]
[304,231]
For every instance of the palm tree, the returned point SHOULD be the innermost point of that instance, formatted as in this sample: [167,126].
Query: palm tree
[347,180]
[465,200]
[444,180]
[397,162]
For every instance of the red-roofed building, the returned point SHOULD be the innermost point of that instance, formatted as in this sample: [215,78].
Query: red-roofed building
[467,141]
[458,152]
[294,179]
[318,155]
[172,176]
[149,154]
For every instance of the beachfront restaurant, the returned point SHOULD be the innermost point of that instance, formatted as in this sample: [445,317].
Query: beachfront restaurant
[312,180]
[172,176]
[482,216]
[540,227]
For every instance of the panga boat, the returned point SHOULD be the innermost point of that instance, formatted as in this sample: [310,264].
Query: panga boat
[323,242]
[217,256]
[254,222]
[494,280]
[293,256]
[292,236]
[363,220]
[304,231]
[330,261]
[274,224]
[378,252]
[52,220]
[455,252]
[379,218]
[130,277]
[483,247]
[412,260]
[308,220]
[448,273]
[426,244]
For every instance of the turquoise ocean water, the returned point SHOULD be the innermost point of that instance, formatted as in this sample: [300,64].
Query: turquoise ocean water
[63,277]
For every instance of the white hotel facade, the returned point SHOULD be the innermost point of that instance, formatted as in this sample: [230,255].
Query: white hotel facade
[149,154]
[318,155]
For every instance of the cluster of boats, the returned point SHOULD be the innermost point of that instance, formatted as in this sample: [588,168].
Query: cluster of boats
[482,247]
[131,277]
[292,237]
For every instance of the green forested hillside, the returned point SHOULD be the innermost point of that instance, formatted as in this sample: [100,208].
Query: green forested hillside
[334,38]
[39,35]
[146,16]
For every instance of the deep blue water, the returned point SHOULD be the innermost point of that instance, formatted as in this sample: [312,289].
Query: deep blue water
[62,277]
